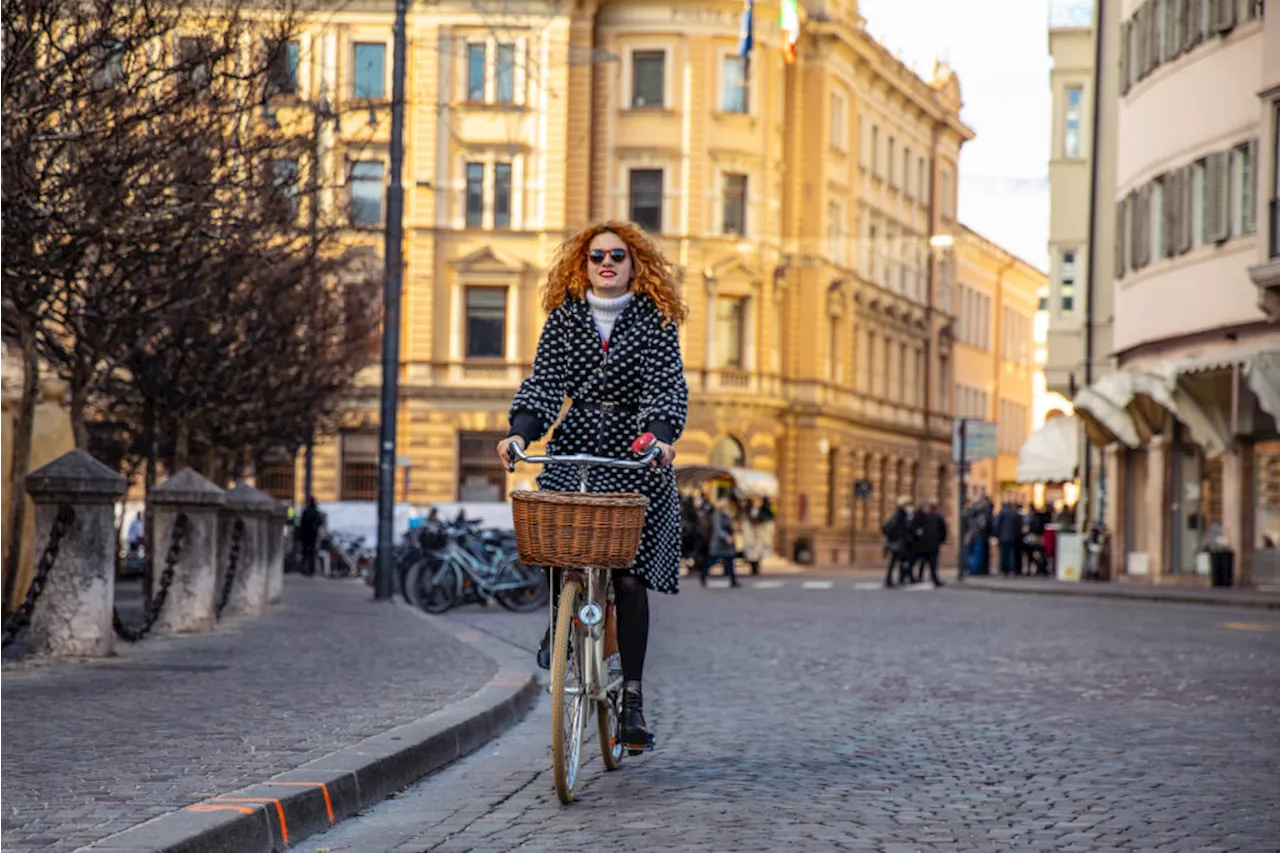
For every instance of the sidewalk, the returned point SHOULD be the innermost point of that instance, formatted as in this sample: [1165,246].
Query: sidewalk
[93,748]
[1222,596]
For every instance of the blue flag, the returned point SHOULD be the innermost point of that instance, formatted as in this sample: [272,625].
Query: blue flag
[746,37]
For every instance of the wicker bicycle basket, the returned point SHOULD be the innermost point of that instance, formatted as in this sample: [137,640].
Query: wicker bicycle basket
[578,529]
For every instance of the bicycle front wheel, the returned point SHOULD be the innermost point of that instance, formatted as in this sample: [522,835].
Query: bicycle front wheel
[568,692]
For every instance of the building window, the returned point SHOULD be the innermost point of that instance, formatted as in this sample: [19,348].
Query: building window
[922,184]
[648,78]
[733,97]
[875,150]
[501,195]
[277,477]
[1067,283]
[1156,212]
[477,56]
[475,195]
[1199,174]
[646,199]
[730,329]
[282,75]
[1243,189]
[486,322]
[1071,132]
[839,136]
[833,348]
[370,70]
[906,172]
[947,202]
[481,476]
[735,205]
[1042,300]
[891,162]
[506,93]
[284,187]
[1275,182]
[359,474]
[365,191]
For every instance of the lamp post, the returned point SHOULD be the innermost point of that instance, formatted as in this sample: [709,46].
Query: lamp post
[385,567]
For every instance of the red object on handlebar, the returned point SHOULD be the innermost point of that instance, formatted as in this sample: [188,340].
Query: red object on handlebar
[643,443]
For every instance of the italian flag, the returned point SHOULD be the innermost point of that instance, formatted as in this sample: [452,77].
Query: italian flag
[789,21]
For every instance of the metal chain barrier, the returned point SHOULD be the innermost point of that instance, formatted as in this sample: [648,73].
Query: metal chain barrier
[237,536]
[133,635]
[22,618]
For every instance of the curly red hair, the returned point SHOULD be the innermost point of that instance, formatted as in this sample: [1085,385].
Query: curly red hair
[652,273]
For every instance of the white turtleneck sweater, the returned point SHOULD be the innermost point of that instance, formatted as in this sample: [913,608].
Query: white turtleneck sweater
[607,311]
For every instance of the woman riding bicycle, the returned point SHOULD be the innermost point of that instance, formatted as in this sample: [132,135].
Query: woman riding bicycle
[610,344]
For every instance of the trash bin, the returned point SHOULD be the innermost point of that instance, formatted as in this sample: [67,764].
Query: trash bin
[1222,567]
[802,552]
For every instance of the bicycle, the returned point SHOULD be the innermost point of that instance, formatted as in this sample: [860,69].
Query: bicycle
[473,566]
[581,536]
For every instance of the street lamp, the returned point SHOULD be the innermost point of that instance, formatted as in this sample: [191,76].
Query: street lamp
[385,567]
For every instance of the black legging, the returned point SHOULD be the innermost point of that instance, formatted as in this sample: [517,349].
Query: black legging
[632,600]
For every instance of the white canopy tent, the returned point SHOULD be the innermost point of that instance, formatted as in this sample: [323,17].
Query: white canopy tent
[1051,453]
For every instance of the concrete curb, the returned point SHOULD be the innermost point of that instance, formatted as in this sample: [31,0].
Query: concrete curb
[1169,596]
[268,817]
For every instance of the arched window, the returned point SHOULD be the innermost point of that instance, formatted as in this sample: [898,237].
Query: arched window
[728,451]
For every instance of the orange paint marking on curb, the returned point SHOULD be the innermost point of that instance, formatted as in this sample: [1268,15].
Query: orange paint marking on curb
[209,807]
[328,804]
[284,826]
[509,682]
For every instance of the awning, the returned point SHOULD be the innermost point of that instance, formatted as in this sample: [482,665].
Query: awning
[749,482]
[1051,453]
[1263,375]
[1103,407]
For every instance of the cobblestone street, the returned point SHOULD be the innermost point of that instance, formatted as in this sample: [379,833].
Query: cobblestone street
[812,714]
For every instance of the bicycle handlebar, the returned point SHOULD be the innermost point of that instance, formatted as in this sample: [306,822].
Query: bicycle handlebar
[644,460]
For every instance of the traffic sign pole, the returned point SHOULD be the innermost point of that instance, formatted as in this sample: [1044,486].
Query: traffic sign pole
[964,464]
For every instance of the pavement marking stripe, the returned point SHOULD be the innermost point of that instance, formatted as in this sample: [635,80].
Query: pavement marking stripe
[817,584]
[867,585]
[328,804]
[917,587]
[718,583]
[1248,626]
[769,584]
[284,827]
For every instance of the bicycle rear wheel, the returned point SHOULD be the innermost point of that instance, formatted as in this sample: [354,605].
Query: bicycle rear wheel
[609,719]
[568,710]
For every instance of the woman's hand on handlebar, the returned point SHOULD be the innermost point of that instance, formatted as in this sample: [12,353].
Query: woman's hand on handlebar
[668,454]
[504,449]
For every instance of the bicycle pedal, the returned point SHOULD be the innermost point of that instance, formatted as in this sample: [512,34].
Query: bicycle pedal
[637,749]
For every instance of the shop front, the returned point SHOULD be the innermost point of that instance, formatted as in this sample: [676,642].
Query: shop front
[1193,458]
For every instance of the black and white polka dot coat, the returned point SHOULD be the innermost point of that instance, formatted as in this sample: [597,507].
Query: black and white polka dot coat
[633,386]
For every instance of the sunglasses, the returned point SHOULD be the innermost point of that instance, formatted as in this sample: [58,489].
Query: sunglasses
[597,255]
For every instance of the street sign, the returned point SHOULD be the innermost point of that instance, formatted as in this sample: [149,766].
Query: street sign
[979,440]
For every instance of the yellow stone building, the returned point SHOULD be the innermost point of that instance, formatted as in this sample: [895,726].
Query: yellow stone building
[997,295]
[811,208]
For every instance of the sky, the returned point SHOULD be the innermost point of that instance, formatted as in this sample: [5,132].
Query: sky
[1000,51]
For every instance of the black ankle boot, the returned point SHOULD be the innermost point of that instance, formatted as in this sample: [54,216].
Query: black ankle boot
[635,734]
[544,650]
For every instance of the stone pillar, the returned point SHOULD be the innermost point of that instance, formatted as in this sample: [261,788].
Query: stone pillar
[188,609]
[72,618]
[1157,507]
[1117,499]
[249,586]
[274,525]
[1238,507]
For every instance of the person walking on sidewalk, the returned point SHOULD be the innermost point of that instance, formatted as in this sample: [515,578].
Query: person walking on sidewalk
[928,534]
[897,543]
[721,550]
[611,345]
[309,535]
[1009,538]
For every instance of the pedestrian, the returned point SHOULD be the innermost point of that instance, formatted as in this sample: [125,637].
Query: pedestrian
[928,535]
[136,533]
[721,549]
[752,541]
[1033,541]
[309,534]
[611,345]
[1008,528]
[897,543]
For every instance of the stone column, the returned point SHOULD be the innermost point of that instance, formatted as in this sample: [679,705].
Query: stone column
[72,618]
[188,609]
[249,586]
[274,525]
[1238,507]
[1117,499]
[1157,506]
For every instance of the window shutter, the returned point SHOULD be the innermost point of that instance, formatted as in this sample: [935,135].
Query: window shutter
[1125,59]
[1248,190]
[1153,24]
[1121,207]
[1217,197]
[1169,213]
[1226,16]
[1172,43]
[1186,239]
[1135,231]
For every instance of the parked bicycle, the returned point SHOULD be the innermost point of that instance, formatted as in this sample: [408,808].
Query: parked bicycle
[582,536]
[462,564]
